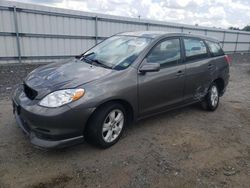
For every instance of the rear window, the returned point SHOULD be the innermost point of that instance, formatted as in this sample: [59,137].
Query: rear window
[215,48]
[195,48]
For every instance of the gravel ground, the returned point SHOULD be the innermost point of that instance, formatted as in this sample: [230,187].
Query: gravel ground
[188,147]
[10,75]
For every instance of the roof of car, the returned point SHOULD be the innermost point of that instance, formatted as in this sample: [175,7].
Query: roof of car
[156,34]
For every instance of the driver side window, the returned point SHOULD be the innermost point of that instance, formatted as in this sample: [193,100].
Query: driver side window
[166,53]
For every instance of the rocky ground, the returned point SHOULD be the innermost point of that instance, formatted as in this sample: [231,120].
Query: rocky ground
[188,147]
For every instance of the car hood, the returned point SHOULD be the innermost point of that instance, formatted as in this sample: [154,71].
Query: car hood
[63,75]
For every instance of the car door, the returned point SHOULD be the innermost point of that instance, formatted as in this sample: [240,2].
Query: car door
[160,90]
[198,69]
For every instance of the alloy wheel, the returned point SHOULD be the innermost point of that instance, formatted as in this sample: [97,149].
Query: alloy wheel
[112,125]
[214,96]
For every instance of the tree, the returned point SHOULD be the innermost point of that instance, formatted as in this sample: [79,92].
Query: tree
[234,28]
[246,28]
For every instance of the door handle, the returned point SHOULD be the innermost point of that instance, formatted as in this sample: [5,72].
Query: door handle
[210,66]
[179,73]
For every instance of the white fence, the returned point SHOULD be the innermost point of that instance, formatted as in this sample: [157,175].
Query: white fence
[32,33]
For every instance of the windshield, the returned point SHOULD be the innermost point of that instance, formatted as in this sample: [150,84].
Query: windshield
[117,52]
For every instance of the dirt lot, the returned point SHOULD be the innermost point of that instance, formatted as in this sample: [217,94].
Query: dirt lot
[183,148]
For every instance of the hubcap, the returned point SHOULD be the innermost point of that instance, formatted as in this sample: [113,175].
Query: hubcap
[214,96]
[112,125]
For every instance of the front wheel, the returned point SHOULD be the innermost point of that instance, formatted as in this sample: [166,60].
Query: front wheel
[211,101]
[106,125]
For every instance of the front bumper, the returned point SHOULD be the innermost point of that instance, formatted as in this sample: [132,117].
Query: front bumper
[49,127]
[43,143]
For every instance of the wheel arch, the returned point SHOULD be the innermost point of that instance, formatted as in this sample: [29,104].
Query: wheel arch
[221,84]
[128,107]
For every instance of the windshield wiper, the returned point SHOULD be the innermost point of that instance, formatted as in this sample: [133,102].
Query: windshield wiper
[100,63]
[86,55]
[86,59]
[96,61]
[89,60]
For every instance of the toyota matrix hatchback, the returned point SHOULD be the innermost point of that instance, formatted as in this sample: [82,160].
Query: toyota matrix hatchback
[126,77]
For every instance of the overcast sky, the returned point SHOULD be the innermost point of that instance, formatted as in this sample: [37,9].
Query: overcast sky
[218,13]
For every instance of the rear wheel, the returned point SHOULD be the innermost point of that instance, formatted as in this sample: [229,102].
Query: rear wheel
[106,125]
[211,101]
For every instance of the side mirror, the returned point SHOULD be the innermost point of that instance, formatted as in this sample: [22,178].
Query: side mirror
[150,67]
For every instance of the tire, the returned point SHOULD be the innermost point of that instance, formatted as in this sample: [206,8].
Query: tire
[106,125]
[212,99]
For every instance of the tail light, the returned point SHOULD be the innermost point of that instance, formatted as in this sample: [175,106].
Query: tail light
[228,60]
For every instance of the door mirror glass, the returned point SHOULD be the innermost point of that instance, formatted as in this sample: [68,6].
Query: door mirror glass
[150,67]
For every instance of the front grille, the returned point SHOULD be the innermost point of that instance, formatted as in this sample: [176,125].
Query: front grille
[29,92]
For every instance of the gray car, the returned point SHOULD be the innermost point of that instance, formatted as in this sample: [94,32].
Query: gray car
[127,77]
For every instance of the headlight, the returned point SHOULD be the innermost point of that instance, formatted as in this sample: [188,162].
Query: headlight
[61,97]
